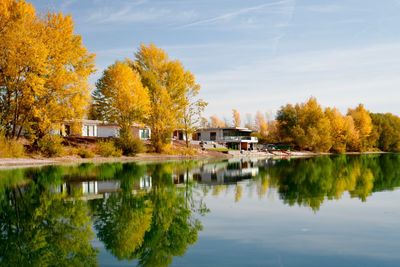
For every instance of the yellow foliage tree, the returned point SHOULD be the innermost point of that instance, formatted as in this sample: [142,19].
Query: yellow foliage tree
[312,118]
[339,129]
[120,97]
[363,124]
[352,135]
[236,118]
[43,70]
[216,122]
[306,125]
[168,84]
[261,124]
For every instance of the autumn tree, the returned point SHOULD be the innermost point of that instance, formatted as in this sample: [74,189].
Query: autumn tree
[386,131]
[273,133]
[363,124]
[204,123]
[43,70]
[120,97]
[306,125]
[192,112]
[249,122]
[236,118]
[168,84]
[339,129]
[352,135]
[216,122]
[261,124]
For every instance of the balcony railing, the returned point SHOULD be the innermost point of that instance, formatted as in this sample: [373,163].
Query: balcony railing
[240,138]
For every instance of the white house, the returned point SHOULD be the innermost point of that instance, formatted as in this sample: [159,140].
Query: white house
[96,128]
[231,137]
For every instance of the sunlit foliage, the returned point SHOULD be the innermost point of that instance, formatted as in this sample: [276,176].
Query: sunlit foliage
[120,97]
[236,118]
[44,70]
[169,85]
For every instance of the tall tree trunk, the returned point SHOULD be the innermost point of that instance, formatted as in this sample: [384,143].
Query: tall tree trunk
[186,139]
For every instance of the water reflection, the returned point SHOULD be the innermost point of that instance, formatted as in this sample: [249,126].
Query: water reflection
[38,229]
[152,213]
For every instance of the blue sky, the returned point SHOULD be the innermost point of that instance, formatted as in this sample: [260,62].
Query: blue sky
[257,55]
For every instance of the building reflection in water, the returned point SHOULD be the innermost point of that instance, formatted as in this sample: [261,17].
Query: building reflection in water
[218,173]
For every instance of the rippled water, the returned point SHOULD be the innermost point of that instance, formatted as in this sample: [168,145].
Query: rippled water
[322,211]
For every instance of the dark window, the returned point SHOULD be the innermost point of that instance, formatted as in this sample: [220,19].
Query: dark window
[213,136]
[67,130]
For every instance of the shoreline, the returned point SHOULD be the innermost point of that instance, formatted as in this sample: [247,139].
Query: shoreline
[12,163]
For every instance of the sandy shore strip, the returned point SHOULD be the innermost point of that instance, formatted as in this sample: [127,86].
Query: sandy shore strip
[11,163]
[8,163]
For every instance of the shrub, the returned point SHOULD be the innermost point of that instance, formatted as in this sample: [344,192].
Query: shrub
[108,149]
[85,153]
[129,145]
[169,149]
[188,151]
[51,146]
[10,148]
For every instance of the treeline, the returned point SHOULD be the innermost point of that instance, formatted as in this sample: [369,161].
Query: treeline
[311,182]
[308,126]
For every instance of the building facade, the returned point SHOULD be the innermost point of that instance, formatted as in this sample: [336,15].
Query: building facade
[96,128]
[231,137]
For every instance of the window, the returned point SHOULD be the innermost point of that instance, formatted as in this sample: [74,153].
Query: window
[213,136]
[85,130]
[67,130]
[144,134]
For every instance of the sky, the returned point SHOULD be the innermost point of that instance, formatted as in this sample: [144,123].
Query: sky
[256,55]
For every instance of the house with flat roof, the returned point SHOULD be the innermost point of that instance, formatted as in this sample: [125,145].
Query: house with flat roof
[231,137]
[97,128]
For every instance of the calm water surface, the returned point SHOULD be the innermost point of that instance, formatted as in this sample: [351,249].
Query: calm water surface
[323,211]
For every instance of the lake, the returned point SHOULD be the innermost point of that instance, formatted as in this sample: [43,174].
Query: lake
[320,211]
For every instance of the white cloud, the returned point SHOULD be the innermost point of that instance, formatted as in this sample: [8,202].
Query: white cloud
[273,7]
[339,78]
[126,14]
[139,11]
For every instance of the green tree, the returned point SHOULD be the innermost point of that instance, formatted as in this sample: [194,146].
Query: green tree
[287,120]
[386,131]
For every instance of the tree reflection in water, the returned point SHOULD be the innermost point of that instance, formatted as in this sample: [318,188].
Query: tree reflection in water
[152,227]
[151,212]
[309,182]
[39,229]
